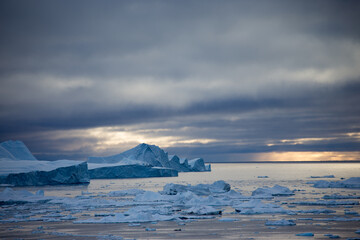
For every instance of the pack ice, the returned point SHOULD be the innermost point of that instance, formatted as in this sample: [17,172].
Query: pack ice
[353,182]
[20,168]
[143,161]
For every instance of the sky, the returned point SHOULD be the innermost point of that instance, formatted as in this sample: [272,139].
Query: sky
[228,81]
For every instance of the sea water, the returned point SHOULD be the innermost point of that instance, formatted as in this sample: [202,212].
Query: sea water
[244,177]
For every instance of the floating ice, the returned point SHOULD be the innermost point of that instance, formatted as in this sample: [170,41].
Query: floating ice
[38,173]
[353,182]
[327,202]
[316,211]
[200,189]
[15,150]
[282,222]
[128,192]
[122,170]
[145,155]
[204,210]
[20,168]
[274,191]
[10,196]
[307,234]
[338,196]
[325,176]
[256,206]
[331,236]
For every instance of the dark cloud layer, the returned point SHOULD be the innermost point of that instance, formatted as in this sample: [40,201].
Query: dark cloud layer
[208,78]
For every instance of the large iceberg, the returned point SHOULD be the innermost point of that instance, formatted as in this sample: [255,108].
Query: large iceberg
[101,171]
[20,168]
[143,161]
[15,150]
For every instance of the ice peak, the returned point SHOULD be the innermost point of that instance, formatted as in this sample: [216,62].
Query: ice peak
[15,150]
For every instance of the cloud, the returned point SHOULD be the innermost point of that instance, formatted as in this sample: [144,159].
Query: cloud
[229,76]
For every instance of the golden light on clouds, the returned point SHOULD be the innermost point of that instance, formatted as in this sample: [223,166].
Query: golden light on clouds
[307,156]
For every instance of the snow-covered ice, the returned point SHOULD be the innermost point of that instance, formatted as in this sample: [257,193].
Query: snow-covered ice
[353,182]
[273,191]
[256,206]
[15,150]
[142,158]
[20,168]
[200,189]
[38,173]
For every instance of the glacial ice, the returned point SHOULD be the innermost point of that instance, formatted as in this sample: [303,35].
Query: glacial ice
[123,170]
[39,173]
[15,150]
[353,182]
[143,161]
[20,168]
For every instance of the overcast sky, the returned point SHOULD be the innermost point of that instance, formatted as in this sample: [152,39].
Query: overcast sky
[223,80]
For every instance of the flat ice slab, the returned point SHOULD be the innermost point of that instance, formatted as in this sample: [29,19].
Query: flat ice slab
[38,173]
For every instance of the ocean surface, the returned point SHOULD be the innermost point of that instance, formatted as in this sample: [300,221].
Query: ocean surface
[76,204]
[242,177]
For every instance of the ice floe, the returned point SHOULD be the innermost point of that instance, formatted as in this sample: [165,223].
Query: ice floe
[306,234]
[200,189]
[282,222]
[256,206]
[273,191]
[353,182]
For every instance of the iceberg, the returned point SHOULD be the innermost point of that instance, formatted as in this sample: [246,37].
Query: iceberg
[107,171]
[15,150]
[20,168]
[143,161]
[39,173]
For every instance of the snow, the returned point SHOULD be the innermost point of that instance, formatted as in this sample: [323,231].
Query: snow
[38,173]
[274,191]
[143,161]
[353,182]
[15,150]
